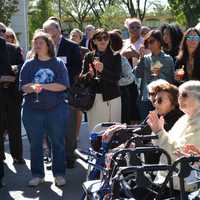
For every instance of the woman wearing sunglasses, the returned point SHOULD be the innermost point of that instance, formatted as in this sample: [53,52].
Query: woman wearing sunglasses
[186,130]
[151,67]
[102,68]
[189,57]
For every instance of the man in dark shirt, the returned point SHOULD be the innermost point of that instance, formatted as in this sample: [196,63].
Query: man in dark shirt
[10,108]
[69,52]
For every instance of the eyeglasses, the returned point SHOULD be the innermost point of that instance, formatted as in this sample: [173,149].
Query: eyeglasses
[100,38]
[183,95]
[152,93]
[10,36]
[134,27]
[158,100]
[2,30]
[193,38]
[151,41]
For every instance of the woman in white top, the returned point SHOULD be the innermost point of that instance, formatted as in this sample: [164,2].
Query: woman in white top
[186,131]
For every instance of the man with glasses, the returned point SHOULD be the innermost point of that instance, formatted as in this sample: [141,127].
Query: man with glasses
[10,107]
[69,52]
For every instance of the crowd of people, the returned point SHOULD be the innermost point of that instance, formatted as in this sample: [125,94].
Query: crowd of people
[153,75]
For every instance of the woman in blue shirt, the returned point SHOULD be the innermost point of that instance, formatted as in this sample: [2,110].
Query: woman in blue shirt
[43,80]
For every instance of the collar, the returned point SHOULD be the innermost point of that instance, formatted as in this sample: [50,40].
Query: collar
[58,44]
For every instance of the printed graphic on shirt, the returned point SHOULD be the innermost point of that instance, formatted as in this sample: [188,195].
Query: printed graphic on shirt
[44,76]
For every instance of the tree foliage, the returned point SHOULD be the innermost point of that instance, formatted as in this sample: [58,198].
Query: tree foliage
[7,9]
[39,11]
[113,17]
[188,10]
[136,8]
[78,10]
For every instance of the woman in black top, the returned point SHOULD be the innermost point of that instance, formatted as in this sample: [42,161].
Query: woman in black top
[172,36]
[102,68]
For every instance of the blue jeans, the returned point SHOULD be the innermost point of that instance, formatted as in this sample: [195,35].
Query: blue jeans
[70,135]
[53,123]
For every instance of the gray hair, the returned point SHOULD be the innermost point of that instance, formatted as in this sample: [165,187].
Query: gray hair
[76,30]
[193,87]
[51,22]
[89,26]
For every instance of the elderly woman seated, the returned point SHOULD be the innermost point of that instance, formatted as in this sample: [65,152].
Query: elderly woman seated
[164,97]
[186,130]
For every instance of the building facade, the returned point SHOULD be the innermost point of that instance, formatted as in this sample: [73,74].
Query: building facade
[19,23]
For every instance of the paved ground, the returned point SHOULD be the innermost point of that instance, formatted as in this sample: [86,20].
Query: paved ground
[16,178]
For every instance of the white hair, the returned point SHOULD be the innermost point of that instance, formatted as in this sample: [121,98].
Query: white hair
[193,87]
[198,26]
[156,83]
[51,22]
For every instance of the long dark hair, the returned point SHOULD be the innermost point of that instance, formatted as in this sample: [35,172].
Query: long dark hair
[176,36]
[183,55]
[47,38]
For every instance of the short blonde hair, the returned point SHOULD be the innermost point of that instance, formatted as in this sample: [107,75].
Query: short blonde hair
[11,31]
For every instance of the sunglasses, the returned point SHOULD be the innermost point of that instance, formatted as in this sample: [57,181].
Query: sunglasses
[152,93]
[10,36]
[2,30]
[183,95]
[135,27]
[100,38]
[193,38]
[158,100]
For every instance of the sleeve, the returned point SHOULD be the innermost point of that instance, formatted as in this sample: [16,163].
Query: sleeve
[24,75]
[172,67]
[112,74]
[126,75]
[76,62]
[62,76]
[139,69]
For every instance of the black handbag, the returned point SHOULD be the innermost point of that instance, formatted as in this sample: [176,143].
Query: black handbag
[81,95]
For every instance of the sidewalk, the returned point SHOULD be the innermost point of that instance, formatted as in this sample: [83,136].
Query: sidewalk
[16,178]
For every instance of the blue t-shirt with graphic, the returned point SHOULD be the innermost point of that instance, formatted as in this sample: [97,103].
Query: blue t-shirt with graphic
[44,72]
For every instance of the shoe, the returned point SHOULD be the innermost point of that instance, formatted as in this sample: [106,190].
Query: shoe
[19,161]
[60,181]
[35,181]
[70,164]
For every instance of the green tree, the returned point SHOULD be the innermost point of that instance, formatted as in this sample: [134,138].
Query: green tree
[186,11]
[78,10]
[113,17]
[7,9]
[136,8]
[39,11]
[99,6]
